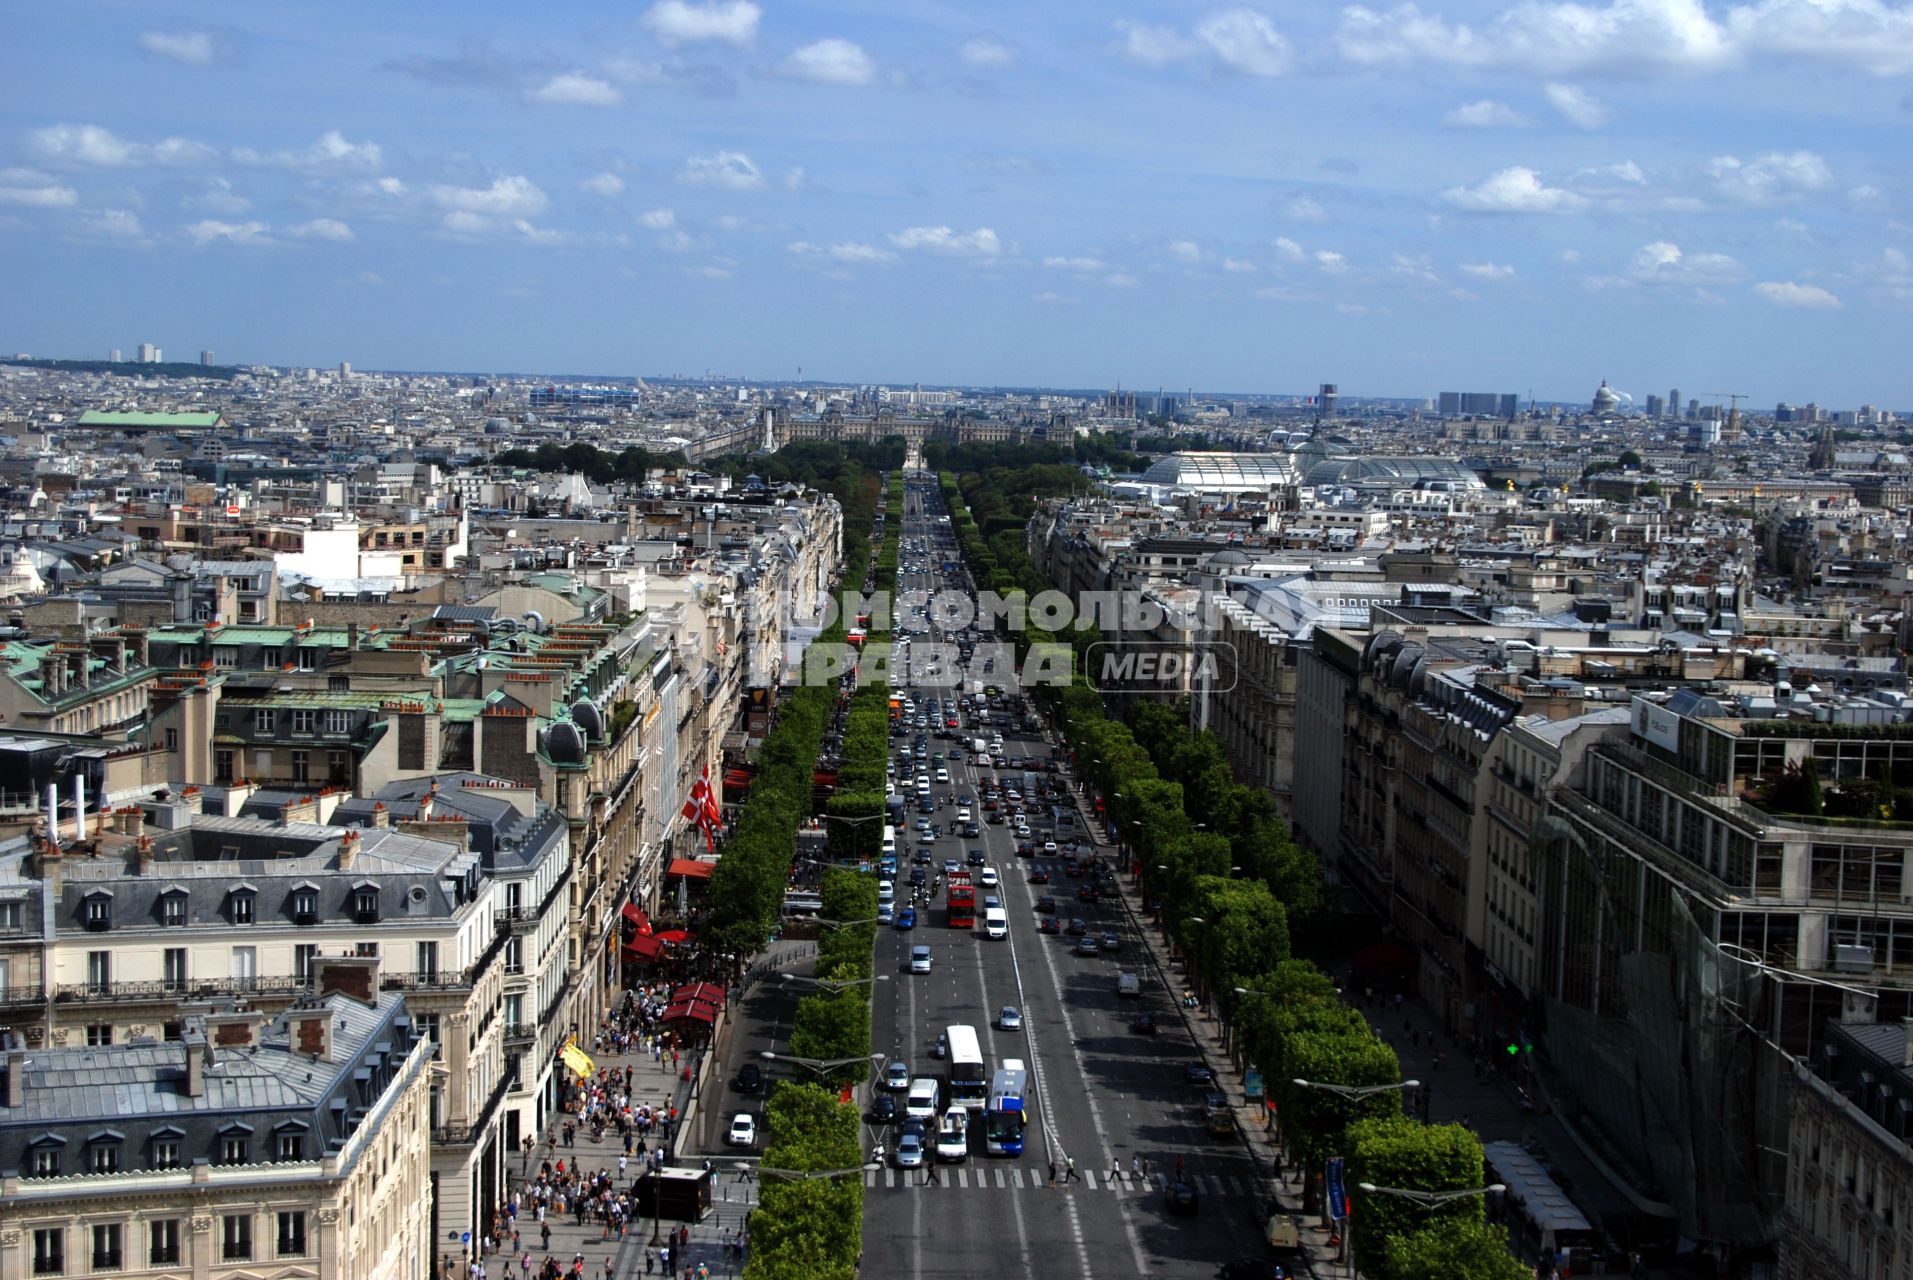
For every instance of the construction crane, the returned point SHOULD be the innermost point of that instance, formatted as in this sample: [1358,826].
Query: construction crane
[1733,398]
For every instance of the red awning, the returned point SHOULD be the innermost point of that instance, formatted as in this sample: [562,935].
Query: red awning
[708,992]
[737,777]
[674,935]
[644,948]
[635,914]
[694,1010]
[1385,956]
[691,868]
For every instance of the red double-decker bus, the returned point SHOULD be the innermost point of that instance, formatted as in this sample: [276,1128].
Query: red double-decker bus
[962,901]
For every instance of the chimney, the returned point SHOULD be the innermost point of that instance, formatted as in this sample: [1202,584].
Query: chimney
[16,1071]
[129,818]
[143,856]
[381,816]
[198,1054]
[79,806]
[351,637]
[354,976]
[235,1030]
[348,849]
[311,1033]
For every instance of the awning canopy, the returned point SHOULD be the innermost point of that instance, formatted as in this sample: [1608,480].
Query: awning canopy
[644,948]
[1385,956]
[674,935]
[693,1010]
[691,868]
[708,992]
[635,914]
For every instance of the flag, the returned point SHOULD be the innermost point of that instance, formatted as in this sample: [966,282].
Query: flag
[694,804]
[578,1060]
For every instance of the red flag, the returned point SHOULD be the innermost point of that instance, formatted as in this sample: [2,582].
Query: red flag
[713,811]
[697,802]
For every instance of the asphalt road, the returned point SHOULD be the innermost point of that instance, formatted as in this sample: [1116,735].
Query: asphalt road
[1102,1092]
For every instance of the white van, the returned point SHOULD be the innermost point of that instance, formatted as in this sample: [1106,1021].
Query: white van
[886,893]
[922,1102]
[996,923]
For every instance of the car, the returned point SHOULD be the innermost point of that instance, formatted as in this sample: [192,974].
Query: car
[1109,940]
[942,1049]
[921,857]
[950,867]
[1086,946]
[1180,1199]
[909,1153]
[988,878]
[919,959]
[743,1130]
[886,913]
[896,1076]
[1143,1024]
[748,1079]
[1252,1269]
[1049,848]
[970,830]
[883,1109]
[1046,905]
[915,1127]
[1072,870]
[1039,875]
[919,876]
[976,858]
[1049,924]
[906,919]
[1009,1018]
[1076,928]
[1198,1075]
[1087,893]
[991,902]
[1215,1100]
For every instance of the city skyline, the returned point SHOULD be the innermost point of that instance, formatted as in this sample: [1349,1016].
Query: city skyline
[1528,198]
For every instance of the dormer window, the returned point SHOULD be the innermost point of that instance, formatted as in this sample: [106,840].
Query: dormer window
[46,1153]
[365,904]
[305,906]
[239,905]
[262,720]
[235,1145]
[98,912]
[103,1151]
[172,909]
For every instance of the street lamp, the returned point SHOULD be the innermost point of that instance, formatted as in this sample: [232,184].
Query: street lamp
[1429,1199]
[806,1175]
[1357,1090]
[819,1065]
[833,985]
[845,924]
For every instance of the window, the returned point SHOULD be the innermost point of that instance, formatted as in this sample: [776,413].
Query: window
[301,766]
[305,720]
[162,1242]
[225,656]
[427,1024]
[338,722]
[11,915]
[303,954]
[46,1161]
[427,953]
[241,906]
[106,1247]
[365,904]
[234,1149]
[103,1156]
[222,766]
[99,971]
[364,949]
[99,912]
[99,1033]
[174,962]
[514,956]
[292,1233]
[172,739]
[262,720]
[236,1237]
[305,906]
[338,684]
[49,1251]
[308,658]
[166,1153]
[290,1146]
[172,911]
[245,963]
[338,766]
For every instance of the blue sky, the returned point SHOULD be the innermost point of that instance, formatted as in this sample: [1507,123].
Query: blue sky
[1399,198]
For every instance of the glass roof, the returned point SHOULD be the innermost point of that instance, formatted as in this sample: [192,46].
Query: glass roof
[1204,471]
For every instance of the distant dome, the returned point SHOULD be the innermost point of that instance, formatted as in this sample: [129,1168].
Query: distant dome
[564,743]
[1605,401]
[589,718]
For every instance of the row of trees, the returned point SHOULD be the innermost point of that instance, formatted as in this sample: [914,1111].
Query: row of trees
[1232,889]
[855,810]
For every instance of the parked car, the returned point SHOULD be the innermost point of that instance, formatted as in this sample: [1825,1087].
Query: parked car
[896,1076]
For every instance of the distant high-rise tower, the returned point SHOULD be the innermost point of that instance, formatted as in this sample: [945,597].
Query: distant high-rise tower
[148,353]
[115,356]
[1693,410]
[1674,403]
[1325,400]
[345,370]
[1655,409]
[206,358]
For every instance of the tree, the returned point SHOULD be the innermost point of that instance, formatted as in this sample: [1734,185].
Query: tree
[1394,1151]
[1455,1249]
[1314,1120]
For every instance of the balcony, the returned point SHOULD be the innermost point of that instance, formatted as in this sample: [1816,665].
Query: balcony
[20,997]
[184,989]
[520,1031]
[465,1135]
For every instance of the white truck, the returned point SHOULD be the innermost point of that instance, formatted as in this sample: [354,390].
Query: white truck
[953,1135]
[1127,984]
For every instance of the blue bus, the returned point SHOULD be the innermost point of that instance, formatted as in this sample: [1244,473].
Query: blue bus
[1008,1110]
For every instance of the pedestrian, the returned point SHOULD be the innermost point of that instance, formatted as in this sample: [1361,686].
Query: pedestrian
[1115,1168]
[1135,1168]
[649,1262]
[1069,1168]
[1052,1174]
[608,1270]
[930,1175]
[1178,1168]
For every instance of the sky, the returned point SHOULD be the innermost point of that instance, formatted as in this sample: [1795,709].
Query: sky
[1398,198]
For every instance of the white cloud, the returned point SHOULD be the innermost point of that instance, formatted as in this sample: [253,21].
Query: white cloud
[466,223]
[1049,299]
[35,190]
[321,229]
[603,184]
[1664,262]
[1304,209]
[845,251]
[731,170]
[1866,197]
[1075,264]
[189,48]
[724,22]
[1121,280]
[1487,271]
[1330,261]
[1484,114]
[114,224]
[510,197]
[1289,250]
[575,88]
[1577,106]
[389,187]
[209,230]
[537,235]
[87,144]
[1514,190]
[1154,46]
[831,61]
[1626,172]
[1238,266]
[987,50]
[1789,294]
[1245,41]
[219,197]
[1773,176]
[1869,34]
[333,150]
[657,220]
[980,243]
[1185,251]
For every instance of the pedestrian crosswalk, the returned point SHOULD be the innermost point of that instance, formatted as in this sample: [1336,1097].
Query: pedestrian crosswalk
[999,1177]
